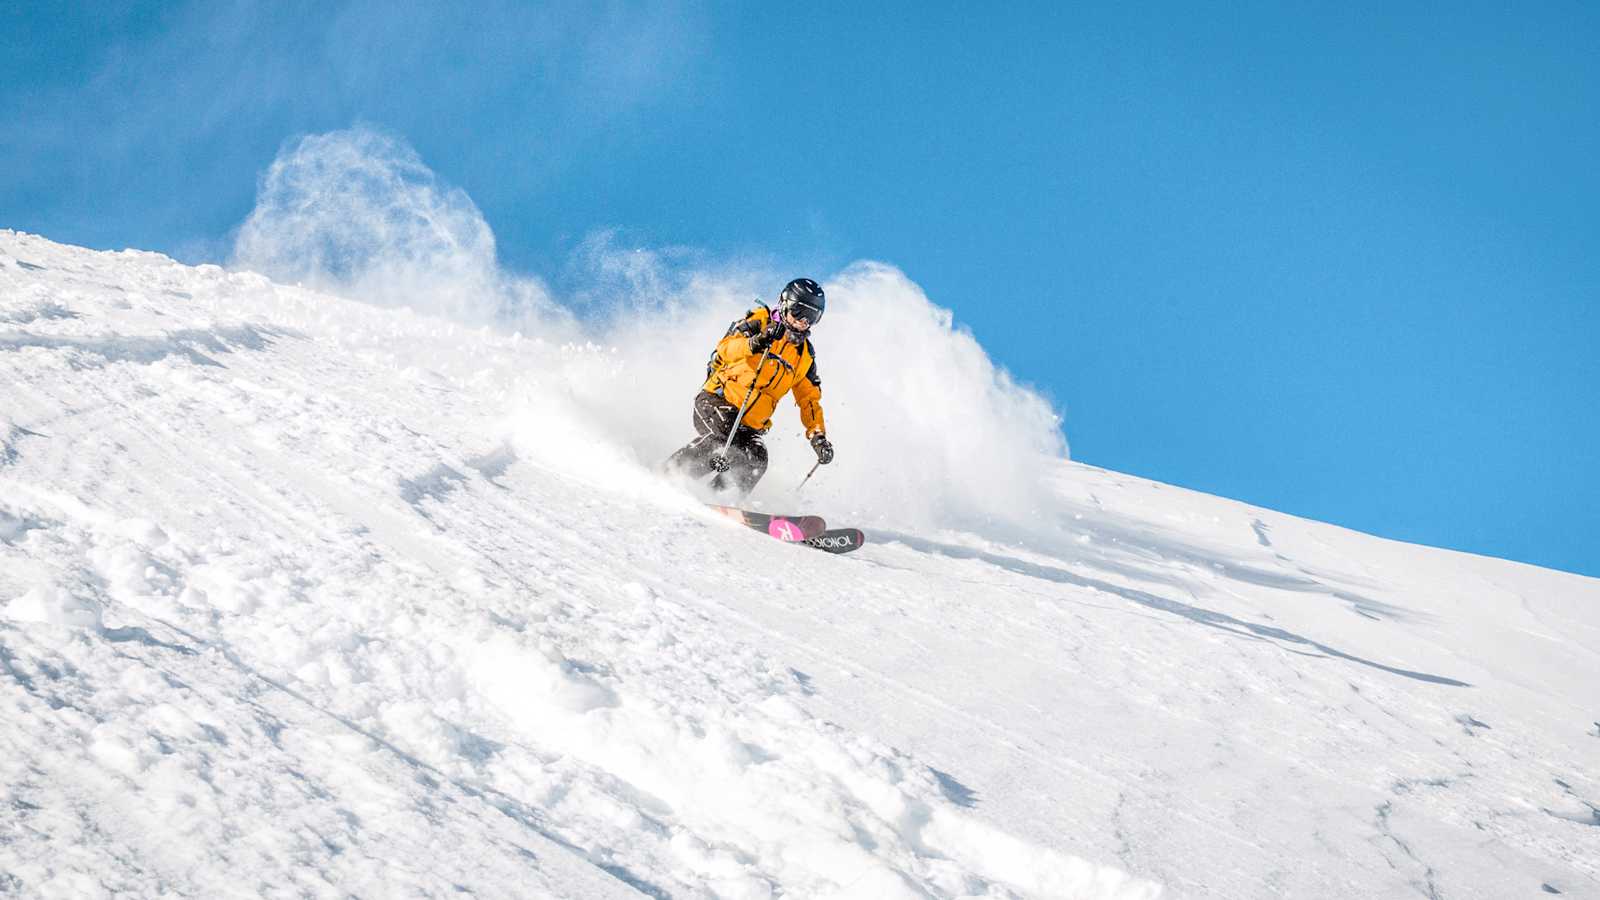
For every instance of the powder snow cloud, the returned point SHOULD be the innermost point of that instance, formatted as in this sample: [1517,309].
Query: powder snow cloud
[929,428]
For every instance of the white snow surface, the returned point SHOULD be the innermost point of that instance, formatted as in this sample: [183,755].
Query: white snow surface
[305,597]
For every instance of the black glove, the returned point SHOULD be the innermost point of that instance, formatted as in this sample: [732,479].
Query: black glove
[819,443]
[775,331]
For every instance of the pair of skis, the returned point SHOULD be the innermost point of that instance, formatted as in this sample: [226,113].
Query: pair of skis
[809,530]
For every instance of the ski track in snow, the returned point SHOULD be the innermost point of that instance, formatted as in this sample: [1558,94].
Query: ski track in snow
[288,607]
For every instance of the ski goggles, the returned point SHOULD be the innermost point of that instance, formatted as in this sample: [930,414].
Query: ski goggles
[803,312]
[796,323]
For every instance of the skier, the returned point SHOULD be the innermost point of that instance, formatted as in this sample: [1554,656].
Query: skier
[762,356]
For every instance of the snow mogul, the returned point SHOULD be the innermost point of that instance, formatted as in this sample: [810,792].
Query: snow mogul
[763,356]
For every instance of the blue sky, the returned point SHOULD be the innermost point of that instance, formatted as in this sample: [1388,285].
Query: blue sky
[1341,260]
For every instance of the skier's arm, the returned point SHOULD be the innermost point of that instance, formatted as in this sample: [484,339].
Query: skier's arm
[808,396]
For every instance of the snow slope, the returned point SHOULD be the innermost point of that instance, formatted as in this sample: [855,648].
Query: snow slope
[304,597]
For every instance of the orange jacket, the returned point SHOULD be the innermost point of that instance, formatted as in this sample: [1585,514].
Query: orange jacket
[789,366]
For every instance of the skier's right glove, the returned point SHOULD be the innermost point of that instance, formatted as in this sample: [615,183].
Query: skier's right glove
[819,443]
[774,332]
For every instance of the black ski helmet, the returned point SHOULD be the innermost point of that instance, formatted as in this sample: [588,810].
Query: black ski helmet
[804,299]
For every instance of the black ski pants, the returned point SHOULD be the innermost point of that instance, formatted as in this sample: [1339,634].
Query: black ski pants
[747,457]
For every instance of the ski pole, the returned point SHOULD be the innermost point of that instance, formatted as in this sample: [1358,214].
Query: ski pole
[749,395]
[808,476]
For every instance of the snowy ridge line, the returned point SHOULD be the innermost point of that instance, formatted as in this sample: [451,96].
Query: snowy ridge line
[460,571]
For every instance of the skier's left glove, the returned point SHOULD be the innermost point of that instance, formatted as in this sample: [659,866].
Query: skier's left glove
[819,443]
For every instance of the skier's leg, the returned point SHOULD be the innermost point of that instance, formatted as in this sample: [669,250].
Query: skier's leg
[693,459]
[712,415]
[749,461]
